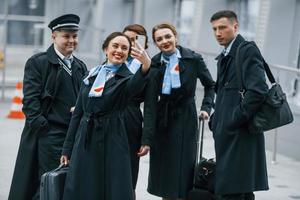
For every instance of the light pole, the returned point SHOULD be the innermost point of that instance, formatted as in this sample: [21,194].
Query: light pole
[4,48]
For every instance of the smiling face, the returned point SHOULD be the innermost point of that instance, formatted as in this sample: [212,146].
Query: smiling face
[225,30]
[117,50]
[65,41]
[165,40]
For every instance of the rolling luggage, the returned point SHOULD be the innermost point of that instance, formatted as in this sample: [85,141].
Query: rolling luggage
[204,173]
[52,184]
[200,194]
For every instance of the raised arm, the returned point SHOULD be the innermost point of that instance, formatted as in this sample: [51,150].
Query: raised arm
[139,79]
[150,108]
[141,54]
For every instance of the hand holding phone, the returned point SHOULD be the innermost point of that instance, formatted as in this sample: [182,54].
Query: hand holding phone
[141,39]
[139,53]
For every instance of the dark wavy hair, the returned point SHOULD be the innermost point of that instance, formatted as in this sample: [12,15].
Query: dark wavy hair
[138,29]
[112,36]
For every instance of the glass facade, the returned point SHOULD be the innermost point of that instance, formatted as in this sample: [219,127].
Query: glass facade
[248,12]
[23,33]
[21,19]
[26,7]
[186,21]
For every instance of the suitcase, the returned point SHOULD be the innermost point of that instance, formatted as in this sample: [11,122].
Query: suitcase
[204,171]
[52,184]
[200,194]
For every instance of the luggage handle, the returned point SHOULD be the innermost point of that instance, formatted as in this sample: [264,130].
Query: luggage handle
[200,136]
[199,158]
[60,167]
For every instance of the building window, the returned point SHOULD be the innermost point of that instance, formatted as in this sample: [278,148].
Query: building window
[27,7]
[23,33]
[186,21]
[248,13]
[22,17]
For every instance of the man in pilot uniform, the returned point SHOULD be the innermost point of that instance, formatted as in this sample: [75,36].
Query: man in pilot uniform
[51,84]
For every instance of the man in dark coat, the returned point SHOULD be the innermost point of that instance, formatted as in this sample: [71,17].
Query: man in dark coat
[51,84]
[240,156]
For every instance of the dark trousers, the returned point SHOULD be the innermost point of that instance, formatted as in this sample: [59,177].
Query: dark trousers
[49,151]
[241,196]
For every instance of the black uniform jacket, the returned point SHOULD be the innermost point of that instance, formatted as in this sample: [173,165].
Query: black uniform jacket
[42,77]
[172,156]
[240,156]
[139,126]
[97,140]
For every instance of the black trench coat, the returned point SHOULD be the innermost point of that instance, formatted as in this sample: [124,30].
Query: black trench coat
[140,126]
[42,78]
[240,156]
[97,141]
[172,156]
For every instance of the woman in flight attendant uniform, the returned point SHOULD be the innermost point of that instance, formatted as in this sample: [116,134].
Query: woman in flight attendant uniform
[96,147]
[172,155]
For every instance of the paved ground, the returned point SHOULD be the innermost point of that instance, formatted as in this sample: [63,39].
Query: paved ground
[284,177]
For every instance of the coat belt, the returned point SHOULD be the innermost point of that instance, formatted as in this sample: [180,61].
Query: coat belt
[91,118]
[169,109]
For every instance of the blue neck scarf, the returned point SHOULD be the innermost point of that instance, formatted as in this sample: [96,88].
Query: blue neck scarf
[133,64]
[103,72]
[172,75]
[129,59]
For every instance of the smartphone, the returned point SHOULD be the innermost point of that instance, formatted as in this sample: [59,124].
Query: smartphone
[141,39]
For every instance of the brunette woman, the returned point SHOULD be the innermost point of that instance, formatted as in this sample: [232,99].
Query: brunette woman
[96,142]
[172,156]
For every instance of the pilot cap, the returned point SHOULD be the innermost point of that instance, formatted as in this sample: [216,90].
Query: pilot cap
[65,22]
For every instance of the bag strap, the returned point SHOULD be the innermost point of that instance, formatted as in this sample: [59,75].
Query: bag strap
[238,67]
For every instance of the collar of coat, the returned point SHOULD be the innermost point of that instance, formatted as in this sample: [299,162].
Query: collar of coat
[123,71]
[53,57]
[239,39]
[184,52]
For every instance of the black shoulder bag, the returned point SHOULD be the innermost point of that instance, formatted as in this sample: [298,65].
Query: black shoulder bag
[275,111]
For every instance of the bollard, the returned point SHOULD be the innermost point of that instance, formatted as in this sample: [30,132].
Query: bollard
[274,161]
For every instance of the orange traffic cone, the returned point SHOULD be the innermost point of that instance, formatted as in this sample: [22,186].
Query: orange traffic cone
[16,107]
